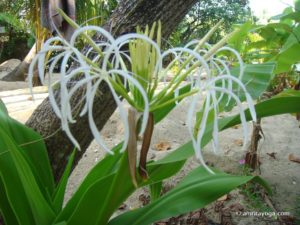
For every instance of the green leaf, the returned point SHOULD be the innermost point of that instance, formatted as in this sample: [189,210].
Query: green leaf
[61,223]
[292,39]
[195,191]
[12,158]
[292,16]
[115,187]
[282,26]
[41,210]
[163,112]
[297,5]
[155,190]
[13,191]
[256,77]
[59,194]
[288,58]
[3,108]
[14,21]
[32,147]
[103,169]
[6,211]
[236,41]
[99,201]
[268,33]
[159,171]
[285,12]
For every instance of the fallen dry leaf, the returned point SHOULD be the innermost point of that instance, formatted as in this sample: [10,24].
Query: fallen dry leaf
[272,155]
[223,198]
[236,126]
[162,146]
[238,142]
[294,158]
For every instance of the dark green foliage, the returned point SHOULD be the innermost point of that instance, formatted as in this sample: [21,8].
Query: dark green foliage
[206,14]
[94,12]
[16,47]
[277,42]
[18,35]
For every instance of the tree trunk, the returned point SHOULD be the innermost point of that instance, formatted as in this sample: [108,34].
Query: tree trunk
[18,74]
[125,18]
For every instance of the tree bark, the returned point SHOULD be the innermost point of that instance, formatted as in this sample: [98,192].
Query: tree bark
[125,18]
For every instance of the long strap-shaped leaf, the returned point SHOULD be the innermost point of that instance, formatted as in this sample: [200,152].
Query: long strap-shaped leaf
[195,191]
[7,211]
[101,198]
[32,147]
[107,193]
[103,169]
[59,194]
[40,208]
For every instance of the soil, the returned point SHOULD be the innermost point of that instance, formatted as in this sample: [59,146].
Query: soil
[242,206]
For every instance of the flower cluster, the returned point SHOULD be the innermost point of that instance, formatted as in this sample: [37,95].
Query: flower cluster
[132,67]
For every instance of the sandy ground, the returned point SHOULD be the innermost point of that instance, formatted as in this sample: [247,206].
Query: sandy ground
[282,137]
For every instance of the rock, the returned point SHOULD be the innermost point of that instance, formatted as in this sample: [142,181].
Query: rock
[8,66]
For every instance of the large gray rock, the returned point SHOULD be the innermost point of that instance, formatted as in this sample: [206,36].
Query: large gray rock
[8,66]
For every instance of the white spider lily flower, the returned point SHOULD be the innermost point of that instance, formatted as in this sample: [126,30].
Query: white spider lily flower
[138,71]
[91,76]
[219,83]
